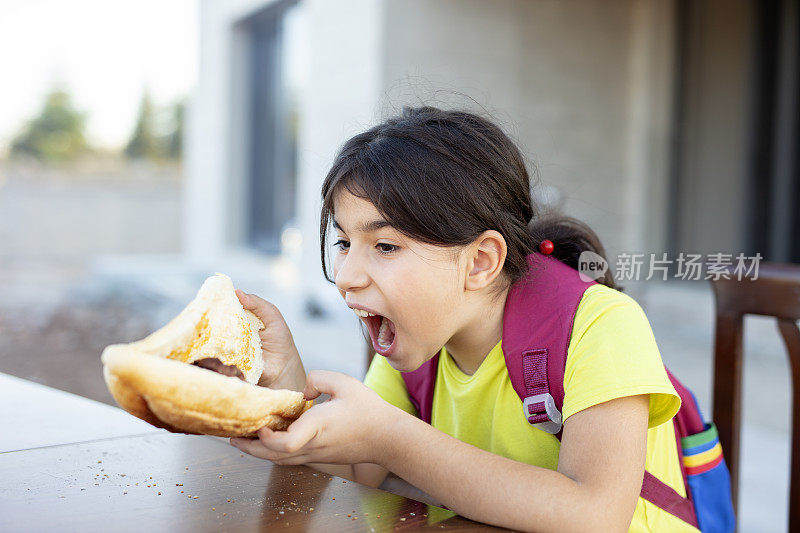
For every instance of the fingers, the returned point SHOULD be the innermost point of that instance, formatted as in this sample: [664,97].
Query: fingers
[255,448]
[251,446]
[300,433]
[280,446]
[324,382]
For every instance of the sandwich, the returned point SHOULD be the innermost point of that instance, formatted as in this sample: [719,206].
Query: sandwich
[198,374]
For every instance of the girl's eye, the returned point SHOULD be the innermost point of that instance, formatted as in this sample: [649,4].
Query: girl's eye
[342,245]
[386,248]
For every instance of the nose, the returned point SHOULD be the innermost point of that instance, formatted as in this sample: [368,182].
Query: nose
[350,273]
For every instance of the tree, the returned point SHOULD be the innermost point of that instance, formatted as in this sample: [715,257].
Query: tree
[145,142]
[56,134]
[174,141]
[158,133]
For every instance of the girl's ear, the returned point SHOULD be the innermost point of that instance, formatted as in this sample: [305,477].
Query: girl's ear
[485,261]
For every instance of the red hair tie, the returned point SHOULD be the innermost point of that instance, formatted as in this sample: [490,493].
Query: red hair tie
[546,247]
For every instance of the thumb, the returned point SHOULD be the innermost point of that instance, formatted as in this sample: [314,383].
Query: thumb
[264,310]
[324,382]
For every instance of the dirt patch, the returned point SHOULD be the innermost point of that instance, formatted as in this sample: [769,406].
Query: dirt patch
[59,344]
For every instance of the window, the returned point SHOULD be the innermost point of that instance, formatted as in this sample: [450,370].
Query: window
[273,37]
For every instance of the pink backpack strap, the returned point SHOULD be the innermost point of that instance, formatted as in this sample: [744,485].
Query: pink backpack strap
[687,421]
[665,497]
[537,326]
[420,384]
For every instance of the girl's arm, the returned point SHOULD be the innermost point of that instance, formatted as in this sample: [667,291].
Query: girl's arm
[596,487]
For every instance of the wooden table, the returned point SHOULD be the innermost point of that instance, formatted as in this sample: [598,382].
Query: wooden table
[72,464]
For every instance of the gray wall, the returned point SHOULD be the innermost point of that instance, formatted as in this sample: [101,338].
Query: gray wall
[711,209]
[584,87]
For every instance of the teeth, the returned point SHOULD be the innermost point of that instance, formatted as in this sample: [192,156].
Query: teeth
[362,313]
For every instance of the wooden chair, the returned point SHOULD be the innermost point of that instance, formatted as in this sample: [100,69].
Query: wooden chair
[774,292]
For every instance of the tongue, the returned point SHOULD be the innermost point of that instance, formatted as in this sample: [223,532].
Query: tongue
[386,333]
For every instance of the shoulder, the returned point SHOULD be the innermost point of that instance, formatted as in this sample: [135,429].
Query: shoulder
[612,353]
[599,299]
[608,312]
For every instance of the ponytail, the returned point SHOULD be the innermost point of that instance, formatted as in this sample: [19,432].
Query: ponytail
[570,237]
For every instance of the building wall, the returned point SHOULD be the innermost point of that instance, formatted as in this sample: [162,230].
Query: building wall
[341,99]
[215,173]
[584,87]
[712,190]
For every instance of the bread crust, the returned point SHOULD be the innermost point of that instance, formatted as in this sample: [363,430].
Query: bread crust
[189,399]
[153,379]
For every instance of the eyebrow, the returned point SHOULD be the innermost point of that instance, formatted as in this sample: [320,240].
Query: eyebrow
[365,227]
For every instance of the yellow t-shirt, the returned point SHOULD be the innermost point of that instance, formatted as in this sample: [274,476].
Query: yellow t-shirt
[612,354]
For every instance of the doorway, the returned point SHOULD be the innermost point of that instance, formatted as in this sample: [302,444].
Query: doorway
[735,185]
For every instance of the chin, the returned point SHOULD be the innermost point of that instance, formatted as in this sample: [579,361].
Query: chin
[405,365]
[398,364]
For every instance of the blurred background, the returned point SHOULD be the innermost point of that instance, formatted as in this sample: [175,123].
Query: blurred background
[146,145]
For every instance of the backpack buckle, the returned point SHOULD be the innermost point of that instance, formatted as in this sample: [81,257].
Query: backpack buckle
[553,424]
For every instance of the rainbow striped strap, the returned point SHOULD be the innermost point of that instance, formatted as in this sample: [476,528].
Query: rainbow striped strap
[702,451]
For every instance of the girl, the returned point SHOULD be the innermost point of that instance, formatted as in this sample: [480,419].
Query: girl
[434,221]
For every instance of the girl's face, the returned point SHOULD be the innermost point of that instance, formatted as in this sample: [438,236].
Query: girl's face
[414,290]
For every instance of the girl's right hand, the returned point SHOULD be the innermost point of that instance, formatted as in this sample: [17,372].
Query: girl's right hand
[283,368]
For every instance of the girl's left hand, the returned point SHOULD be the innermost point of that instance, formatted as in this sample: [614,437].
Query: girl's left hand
[347,429]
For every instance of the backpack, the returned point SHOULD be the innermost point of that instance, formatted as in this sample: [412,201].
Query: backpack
[548,298]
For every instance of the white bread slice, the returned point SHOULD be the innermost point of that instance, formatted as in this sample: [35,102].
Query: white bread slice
[154,379]
[214,324]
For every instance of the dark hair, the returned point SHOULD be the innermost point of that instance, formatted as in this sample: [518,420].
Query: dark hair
[444,177]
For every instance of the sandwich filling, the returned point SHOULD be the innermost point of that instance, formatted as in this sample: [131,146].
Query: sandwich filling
[214,364]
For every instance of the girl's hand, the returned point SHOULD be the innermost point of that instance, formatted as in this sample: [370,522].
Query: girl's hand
[350,428]
[283,368]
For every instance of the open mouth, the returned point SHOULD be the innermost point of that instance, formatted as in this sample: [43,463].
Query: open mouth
[382,333]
